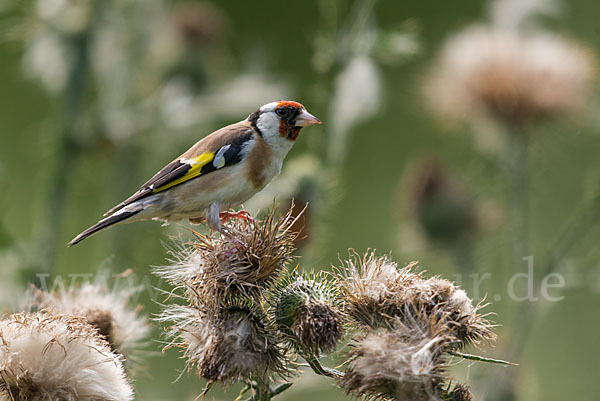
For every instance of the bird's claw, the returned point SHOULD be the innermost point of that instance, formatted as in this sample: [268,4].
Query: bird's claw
[241,215]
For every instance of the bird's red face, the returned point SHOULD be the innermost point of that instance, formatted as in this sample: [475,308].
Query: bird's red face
[283,120]
[292,117]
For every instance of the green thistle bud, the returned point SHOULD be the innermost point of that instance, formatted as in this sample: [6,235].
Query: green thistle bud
[305,308]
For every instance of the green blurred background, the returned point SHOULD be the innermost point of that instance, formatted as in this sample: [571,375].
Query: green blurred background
[97,97]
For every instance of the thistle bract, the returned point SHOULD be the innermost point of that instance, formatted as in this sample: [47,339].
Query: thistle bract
[242,263]
[228,346]
[110,312]
[306,309]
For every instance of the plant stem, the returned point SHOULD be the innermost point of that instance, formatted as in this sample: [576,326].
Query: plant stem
[586,218]
[270,392]
[263,393]
[519,168]
[205,390]
[520,183]
[319,369]
[67,153]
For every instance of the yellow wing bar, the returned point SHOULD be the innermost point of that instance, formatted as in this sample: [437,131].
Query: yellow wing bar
[196,168]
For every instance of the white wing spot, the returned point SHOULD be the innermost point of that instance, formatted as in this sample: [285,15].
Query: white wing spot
[219,160]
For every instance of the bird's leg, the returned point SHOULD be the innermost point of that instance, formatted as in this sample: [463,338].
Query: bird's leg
[213,220]
[212,217]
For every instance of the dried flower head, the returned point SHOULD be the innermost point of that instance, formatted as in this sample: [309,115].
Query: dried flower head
[441,300]
[110,312]
[306,309]
[460,392]
[513,76]
[443,207]
[231,345]
[58,357]
[406,363]
[377,291]
[245,262]
[198,23]
[370,286]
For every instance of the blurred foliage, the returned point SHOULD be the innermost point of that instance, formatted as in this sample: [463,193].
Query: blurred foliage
[98,95]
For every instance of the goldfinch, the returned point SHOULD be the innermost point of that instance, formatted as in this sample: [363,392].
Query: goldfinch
[221,171]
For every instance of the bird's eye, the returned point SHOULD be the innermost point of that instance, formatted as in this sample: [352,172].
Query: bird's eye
[281,112]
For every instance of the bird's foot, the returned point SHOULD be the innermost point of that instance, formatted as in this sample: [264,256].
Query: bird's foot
[241,215]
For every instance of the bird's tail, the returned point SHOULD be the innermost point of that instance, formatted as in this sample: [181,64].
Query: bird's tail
[102,224]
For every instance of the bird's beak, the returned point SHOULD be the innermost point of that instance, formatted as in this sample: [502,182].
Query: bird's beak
[304,119]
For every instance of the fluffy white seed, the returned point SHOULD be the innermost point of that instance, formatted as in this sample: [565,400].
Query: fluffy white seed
[58,357]
[109,311]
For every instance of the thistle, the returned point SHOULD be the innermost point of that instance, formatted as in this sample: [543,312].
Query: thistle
[377,290]
[408,327]
[244,263]
[403,363]
[232,345]
[223,281]
[405,327]
[306,309]
[511,76]
[58,357]
[370,287]
[110,312]
[443,301]
[460,392]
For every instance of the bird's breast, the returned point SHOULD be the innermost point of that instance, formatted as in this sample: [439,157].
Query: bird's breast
[262,165]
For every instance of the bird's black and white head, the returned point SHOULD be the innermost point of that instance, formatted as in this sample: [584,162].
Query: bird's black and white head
[281,121]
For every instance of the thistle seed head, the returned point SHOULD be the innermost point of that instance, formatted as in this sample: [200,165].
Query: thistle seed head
[58,357]
[461,392]
[306,309]
[376,292]
[443,301]
[405,363]
[512,76]
[244,263]
[370,286]
[110,312]
[231,345]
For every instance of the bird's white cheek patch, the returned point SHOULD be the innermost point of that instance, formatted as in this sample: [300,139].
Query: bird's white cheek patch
[268,123]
